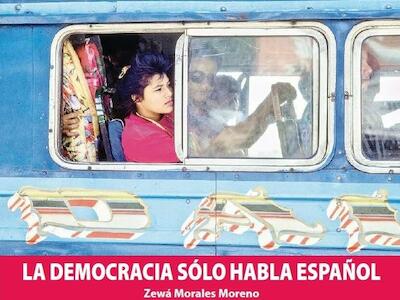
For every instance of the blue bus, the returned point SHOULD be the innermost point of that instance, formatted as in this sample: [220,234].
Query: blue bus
[318,176]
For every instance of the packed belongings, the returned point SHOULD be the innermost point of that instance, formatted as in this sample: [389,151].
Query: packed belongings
[85,91]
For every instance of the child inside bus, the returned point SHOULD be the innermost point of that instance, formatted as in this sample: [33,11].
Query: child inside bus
[146,95]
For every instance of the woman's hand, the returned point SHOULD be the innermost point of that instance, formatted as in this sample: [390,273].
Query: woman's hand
[70,123]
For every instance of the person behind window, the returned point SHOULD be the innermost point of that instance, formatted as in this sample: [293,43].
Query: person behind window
[372,125]
[146,96]
[208,138]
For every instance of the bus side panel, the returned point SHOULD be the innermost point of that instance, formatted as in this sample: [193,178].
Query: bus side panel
[167,202]
[306,208]
[16,85]
[42,38]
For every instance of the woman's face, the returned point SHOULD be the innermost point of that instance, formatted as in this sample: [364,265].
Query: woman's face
[201,79]
[157,98]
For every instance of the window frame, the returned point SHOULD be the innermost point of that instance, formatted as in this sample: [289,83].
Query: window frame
[325,103]
[353,107]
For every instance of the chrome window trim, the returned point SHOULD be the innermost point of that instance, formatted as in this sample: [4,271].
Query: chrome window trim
[323,107]
[327,87]
[353,143]
[178,112]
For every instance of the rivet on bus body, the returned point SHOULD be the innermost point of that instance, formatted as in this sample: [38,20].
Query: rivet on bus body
[89,168]
[339,178]
[18,7]
[51,67]
[389,178]
[139,175]
[187,175]
[391,171]
[187,201]
[340,152]
[223,8]
[388,6]
[338,229]
[236,177]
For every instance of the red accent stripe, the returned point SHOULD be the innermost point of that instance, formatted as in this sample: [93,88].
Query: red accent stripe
[396,243]
[334,211]
[344,216]
[375,238]
[25,217]
[34,225]
[110,235]
[199,220]
[290,238]
[262,229]
[82,202]
[374,219]
[355,247]
[347,223]
[26,208]
[387,241]
[206,236]
[127,212]
[304,241]
[275,216]
[75,234]
[234,227]
[269,245]
[342,211]
[190,245]
[54,211]
[33,239]
[354,232]
[16,202]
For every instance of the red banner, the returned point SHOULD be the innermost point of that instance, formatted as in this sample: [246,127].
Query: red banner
[204,277]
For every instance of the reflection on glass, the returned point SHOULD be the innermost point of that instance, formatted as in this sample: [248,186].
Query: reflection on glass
[251,97]
[380,79]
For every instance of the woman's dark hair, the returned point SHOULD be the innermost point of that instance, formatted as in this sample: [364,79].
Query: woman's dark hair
[143,67]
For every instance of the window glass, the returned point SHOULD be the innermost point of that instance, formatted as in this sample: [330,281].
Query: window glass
[252,97]
[92,115]
[380,97]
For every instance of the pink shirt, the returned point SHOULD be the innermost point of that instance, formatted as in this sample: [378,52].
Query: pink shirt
[145,142]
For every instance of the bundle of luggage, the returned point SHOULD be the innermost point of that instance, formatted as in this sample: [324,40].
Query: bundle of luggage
[85,91]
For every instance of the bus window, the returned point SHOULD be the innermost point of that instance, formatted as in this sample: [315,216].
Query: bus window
[380,98]
[243,98]
[256,97]
[373,115]
[261,96]
[91,116]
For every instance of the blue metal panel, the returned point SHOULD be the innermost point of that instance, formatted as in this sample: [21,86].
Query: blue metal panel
[45,12]
[16,103]
[171,196]
[42,38]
